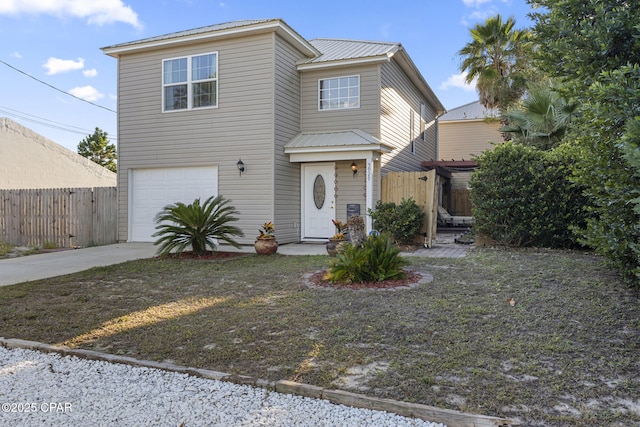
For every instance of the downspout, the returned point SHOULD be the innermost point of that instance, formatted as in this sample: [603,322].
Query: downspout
[442,113]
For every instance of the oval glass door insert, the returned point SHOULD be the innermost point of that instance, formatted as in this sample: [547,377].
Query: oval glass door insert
[319,191]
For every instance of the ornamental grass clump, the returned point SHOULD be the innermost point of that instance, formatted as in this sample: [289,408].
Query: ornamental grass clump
[376,260]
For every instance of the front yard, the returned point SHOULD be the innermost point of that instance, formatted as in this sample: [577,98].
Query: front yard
[544,337]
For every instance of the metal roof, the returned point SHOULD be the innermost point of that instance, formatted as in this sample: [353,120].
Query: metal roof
[194,31]
[340,49]
[352,138]
[227,29]
[471,111]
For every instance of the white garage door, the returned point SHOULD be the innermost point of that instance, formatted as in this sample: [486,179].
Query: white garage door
[153,189]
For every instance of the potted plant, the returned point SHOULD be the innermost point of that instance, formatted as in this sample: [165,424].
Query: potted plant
[266,243]
[336,239]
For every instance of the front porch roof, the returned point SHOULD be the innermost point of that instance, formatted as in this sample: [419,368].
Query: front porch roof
[334,145]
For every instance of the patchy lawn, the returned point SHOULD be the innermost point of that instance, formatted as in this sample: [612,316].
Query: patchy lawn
[544,337]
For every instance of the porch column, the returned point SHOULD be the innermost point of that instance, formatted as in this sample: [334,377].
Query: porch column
[369,191]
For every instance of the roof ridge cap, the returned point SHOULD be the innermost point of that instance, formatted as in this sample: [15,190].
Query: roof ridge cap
[355,40]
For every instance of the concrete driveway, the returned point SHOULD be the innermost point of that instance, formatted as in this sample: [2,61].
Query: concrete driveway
[41,266]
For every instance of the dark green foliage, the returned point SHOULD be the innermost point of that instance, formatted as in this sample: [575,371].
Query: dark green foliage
[522,196]
[97,148]
[196,225]
[601,167]
[378,259]
[593,46]
[402,221]
[541,120]
[578,39]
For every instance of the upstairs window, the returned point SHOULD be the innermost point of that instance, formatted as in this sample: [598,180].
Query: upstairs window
[339,93]
[190,82]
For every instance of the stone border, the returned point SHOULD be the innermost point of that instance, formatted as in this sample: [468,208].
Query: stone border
[448,417]
[424,278]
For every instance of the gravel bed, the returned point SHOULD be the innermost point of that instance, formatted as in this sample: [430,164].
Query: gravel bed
[53,390]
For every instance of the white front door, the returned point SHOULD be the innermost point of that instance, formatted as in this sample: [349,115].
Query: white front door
[318,200]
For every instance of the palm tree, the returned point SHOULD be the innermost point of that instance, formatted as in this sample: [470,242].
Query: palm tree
[542,120]
[497,58]
[196,225]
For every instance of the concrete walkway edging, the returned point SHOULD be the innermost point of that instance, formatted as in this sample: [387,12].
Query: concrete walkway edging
[448,417]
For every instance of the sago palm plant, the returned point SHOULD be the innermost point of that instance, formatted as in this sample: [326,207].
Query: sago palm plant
[196,225]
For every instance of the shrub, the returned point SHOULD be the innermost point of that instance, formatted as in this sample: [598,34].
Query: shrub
[522,196]
[402,221]
[378,259]
[196,225]
[609,176]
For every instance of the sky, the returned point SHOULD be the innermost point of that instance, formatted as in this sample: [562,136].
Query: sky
[55,80]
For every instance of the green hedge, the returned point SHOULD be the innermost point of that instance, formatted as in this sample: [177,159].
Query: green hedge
[522,196]
[402,221]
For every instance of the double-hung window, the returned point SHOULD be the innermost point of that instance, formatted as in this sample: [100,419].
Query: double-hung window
[339,93]
[190,82]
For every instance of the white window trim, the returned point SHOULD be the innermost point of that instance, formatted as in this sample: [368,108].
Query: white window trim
[340,108]
[190,83]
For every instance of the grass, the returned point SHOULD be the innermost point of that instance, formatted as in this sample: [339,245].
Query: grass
[544,337]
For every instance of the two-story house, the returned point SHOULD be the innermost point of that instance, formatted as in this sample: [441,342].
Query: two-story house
[292,131]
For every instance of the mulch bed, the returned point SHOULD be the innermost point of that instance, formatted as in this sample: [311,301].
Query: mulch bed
[315,279]
[207,256]
[412,278]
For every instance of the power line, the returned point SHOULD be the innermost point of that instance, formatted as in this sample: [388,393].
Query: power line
[46,122]
[55,88]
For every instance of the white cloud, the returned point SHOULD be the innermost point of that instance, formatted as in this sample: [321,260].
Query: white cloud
[88,93]
[57,66]
[98,12]
[90,73]
[457,81]
[385,31]
[16,55]
[475,3]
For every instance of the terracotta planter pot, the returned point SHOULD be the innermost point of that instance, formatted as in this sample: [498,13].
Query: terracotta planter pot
[266,246]
[332,246]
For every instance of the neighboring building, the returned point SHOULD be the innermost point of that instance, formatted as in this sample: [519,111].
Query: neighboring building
[29,160]
[299,116]
[463,133]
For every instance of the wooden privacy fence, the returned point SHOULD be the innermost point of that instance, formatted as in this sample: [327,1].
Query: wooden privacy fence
[61,217]
[460,202]
[405,185]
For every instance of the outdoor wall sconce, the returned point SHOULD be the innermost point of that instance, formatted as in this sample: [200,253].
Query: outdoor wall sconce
[354,168]
[240,165]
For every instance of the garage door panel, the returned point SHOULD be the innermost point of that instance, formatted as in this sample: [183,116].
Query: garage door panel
[153,189]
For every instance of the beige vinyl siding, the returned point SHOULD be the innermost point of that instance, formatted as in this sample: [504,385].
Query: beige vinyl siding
[463,139]
[287,184]
[365,118]
[240,127]
[351,188]
[400,100]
